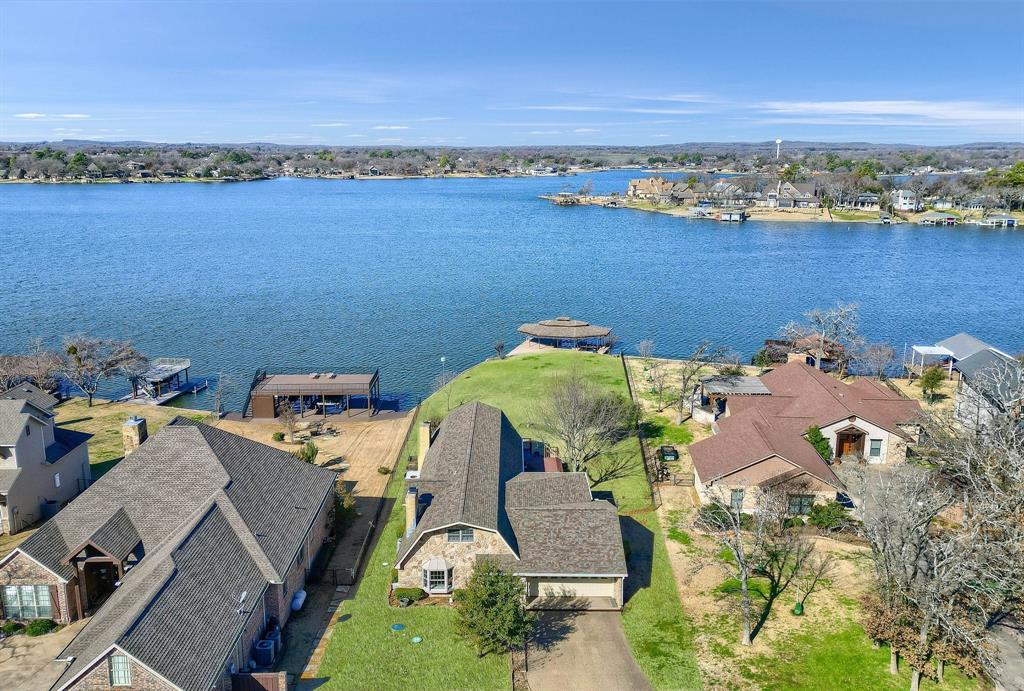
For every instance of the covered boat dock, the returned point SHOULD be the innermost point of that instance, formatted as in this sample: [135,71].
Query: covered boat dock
[565,332]
[320,393]
[166,379]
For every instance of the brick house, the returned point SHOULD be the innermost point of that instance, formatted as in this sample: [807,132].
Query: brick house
[472,498]
[42,466]
[760,440]
[184,554]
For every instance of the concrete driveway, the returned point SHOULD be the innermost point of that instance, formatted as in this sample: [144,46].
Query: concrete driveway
[582,650]
[27,663]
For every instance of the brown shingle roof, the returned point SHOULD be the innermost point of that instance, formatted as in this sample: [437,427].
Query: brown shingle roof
[563,327]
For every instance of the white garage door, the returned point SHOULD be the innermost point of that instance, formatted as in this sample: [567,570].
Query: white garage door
[572,587]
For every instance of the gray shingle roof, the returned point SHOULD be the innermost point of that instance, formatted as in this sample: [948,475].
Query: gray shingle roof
[31,393]
[7,479]
[549,520]
[14,415]
[178,610]
[476,451]
[64,441]
[963,345]
[992,374]
[217,515]
[180,469]
[736,385]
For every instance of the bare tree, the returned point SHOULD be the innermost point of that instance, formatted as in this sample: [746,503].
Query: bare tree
[586,420]
[659,374]
[499,349]
[286,412]
[876,358]
[834,329]
[688,372]
[445,382]
[817,569]
[12,371]
[86,361]
[761,546]
[42,366]
[645,349]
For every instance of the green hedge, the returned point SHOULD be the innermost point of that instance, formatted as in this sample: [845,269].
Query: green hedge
[38,627]
[414,594]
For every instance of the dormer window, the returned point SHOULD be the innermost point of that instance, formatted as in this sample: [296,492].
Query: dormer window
[460,535]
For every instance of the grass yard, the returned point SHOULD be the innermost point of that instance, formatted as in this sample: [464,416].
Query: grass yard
[104,419]
[366,654]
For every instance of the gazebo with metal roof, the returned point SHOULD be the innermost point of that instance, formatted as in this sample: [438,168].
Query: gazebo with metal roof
[566,332]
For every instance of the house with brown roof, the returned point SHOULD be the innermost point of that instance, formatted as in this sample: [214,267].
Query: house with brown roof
[472,499]
[187,556]
[656,189]
[42,466]
[760,440]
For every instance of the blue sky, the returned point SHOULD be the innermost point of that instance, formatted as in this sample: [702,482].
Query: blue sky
[504,73]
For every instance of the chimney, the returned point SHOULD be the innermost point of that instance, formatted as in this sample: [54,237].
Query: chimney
[133,433]
[411,497]
[424,443]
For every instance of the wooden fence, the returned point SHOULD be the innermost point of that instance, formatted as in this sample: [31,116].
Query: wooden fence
[259,681]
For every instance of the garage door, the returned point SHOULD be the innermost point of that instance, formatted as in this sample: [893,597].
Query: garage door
[572,587]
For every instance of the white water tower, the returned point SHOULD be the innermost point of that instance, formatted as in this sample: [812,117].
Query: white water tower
[778,148]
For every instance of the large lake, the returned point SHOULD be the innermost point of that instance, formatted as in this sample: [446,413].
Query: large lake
[354,275]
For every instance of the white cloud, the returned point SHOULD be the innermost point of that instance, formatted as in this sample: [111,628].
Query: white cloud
[355,136]
[584,130]
[389,140]
[671,98]
[661,135]
[30,116]
[331,124]
[74,116]
[545,132]
[390,127]
[909,113]
[572,108]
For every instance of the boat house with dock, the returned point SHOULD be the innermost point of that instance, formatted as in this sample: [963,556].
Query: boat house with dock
[324,393]
[166,378]
[566,332]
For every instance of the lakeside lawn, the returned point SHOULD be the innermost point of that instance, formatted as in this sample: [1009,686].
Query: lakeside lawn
[104,420]
[363,653]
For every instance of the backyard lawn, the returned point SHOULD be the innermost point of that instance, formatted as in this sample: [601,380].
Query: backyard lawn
[364,653]
[104,419]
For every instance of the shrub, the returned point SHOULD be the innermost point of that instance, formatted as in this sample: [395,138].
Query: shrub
[794,522]
[307,453]
[394,575]
[10,627]
[278,436]
[38,627]
[819,442]
[680,536]
[829,516]
[414,594]
[384,470]
[489,610]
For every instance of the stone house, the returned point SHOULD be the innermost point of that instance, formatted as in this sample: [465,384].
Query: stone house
[656,189]
[760,440]
[42,466]
[472,499]
[185,555]
[789,195]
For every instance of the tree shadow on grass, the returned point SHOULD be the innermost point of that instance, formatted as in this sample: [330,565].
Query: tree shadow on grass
[639,544]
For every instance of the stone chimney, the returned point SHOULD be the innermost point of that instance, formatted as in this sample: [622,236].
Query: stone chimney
[411,498]
[424,443]
[133,433]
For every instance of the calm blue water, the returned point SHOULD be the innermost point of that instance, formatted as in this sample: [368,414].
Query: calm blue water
[353,275]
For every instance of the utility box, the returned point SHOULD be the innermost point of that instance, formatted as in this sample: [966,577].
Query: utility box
[133,433]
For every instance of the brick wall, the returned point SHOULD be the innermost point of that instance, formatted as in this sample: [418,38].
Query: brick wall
[20,570]
[279,597]
[98,678]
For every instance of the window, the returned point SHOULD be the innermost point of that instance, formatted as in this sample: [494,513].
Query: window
[438,581]
[56,479]
[27,602]
[876,448]
[800,504]
[120,671]
[736,500]
[28,431]
[460,535]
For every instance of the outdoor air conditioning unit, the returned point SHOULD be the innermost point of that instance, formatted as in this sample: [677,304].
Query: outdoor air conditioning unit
[264,653]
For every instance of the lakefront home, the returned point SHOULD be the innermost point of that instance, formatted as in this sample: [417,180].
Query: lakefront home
[187,555]
[472,499]
[760,438]
[656,189]
[991,383]
[42,466]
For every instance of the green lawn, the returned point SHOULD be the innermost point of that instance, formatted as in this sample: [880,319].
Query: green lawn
[854,215]
[841,659]
[660,431]
[363,653]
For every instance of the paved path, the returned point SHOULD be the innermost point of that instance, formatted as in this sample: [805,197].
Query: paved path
[1009,640]
[582,650]
[27,663]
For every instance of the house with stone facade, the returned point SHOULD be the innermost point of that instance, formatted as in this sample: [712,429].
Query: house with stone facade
[760,437]
[472,500]
[185,555]
[656,189]
[42,466]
